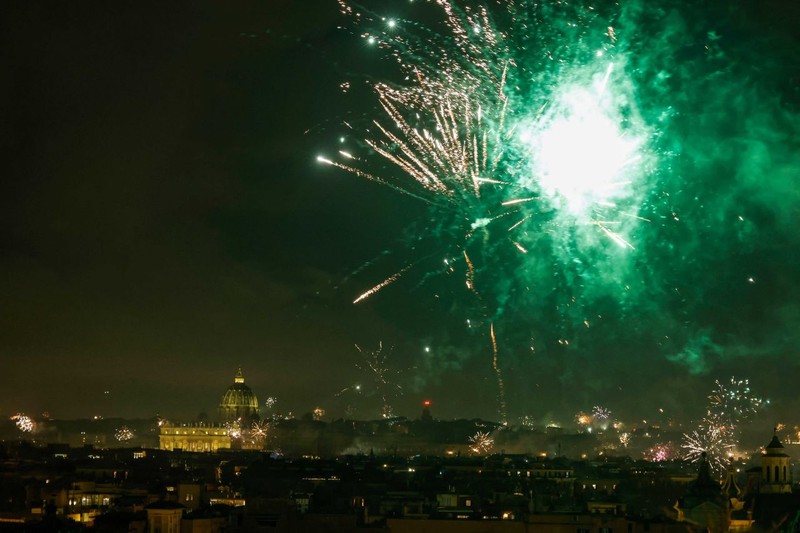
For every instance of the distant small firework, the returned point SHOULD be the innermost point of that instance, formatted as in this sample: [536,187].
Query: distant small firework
[734,402]
[601,413]
[527,421]
[319,412]
[271,402]
[659,453]
[234,429]
[124,434]
[583,419]
[481,443]
[259,429]
[24,423]
[625,439]
[259,432]
[378,383]
[730,405]
[375,364]
[387,411]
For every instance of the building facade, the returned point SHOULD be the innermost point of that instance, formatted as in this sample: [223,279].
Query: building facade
[194,437]
[238,408]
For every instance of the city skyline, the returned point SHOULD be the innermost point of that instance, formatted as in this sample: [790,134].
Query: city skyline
[167,221]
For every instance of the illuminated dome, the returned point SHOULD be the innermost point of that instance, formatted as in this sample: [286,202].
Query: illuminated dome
[238,401]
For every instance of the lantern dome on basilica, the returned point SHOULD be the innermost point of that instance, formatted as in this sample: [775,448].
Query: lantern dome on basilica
[239,401]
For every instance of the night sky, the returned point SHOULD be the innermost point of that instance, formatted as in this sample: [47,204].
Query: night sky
[165,221]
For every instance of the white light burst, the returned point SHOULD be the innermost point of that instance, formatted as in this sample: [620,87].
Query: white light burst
[481,443]
[730,404]
[124,434]
[24,423]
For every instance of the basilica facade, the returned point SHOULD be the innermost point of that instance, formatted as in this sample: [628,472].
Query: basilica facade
[237,409]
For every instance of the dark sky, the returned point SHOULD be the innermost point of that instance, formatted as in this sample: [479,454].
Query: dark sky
[165,222]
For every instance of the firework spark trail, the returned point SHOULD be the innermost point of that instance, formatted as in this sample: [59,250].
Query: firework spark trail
[391,279]
[470,273]
[374,364]
[371,177]
[356,388]
[501,386]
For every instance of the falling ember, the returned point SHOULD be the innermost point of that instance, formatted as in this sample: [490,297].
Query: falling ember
[614,236]
[470,272]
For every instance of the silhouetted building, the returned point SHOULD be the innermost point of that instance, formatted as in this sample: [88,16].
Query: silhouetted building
[164,517]
[426,412]
[704,505]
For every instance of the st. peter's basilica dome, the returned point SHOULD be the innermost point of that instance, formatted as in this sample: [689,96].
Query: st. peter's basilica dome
[239,401]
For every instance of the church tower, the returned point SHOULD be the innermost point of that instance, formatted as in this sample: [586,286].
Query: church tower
[775,469]
[704,505]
